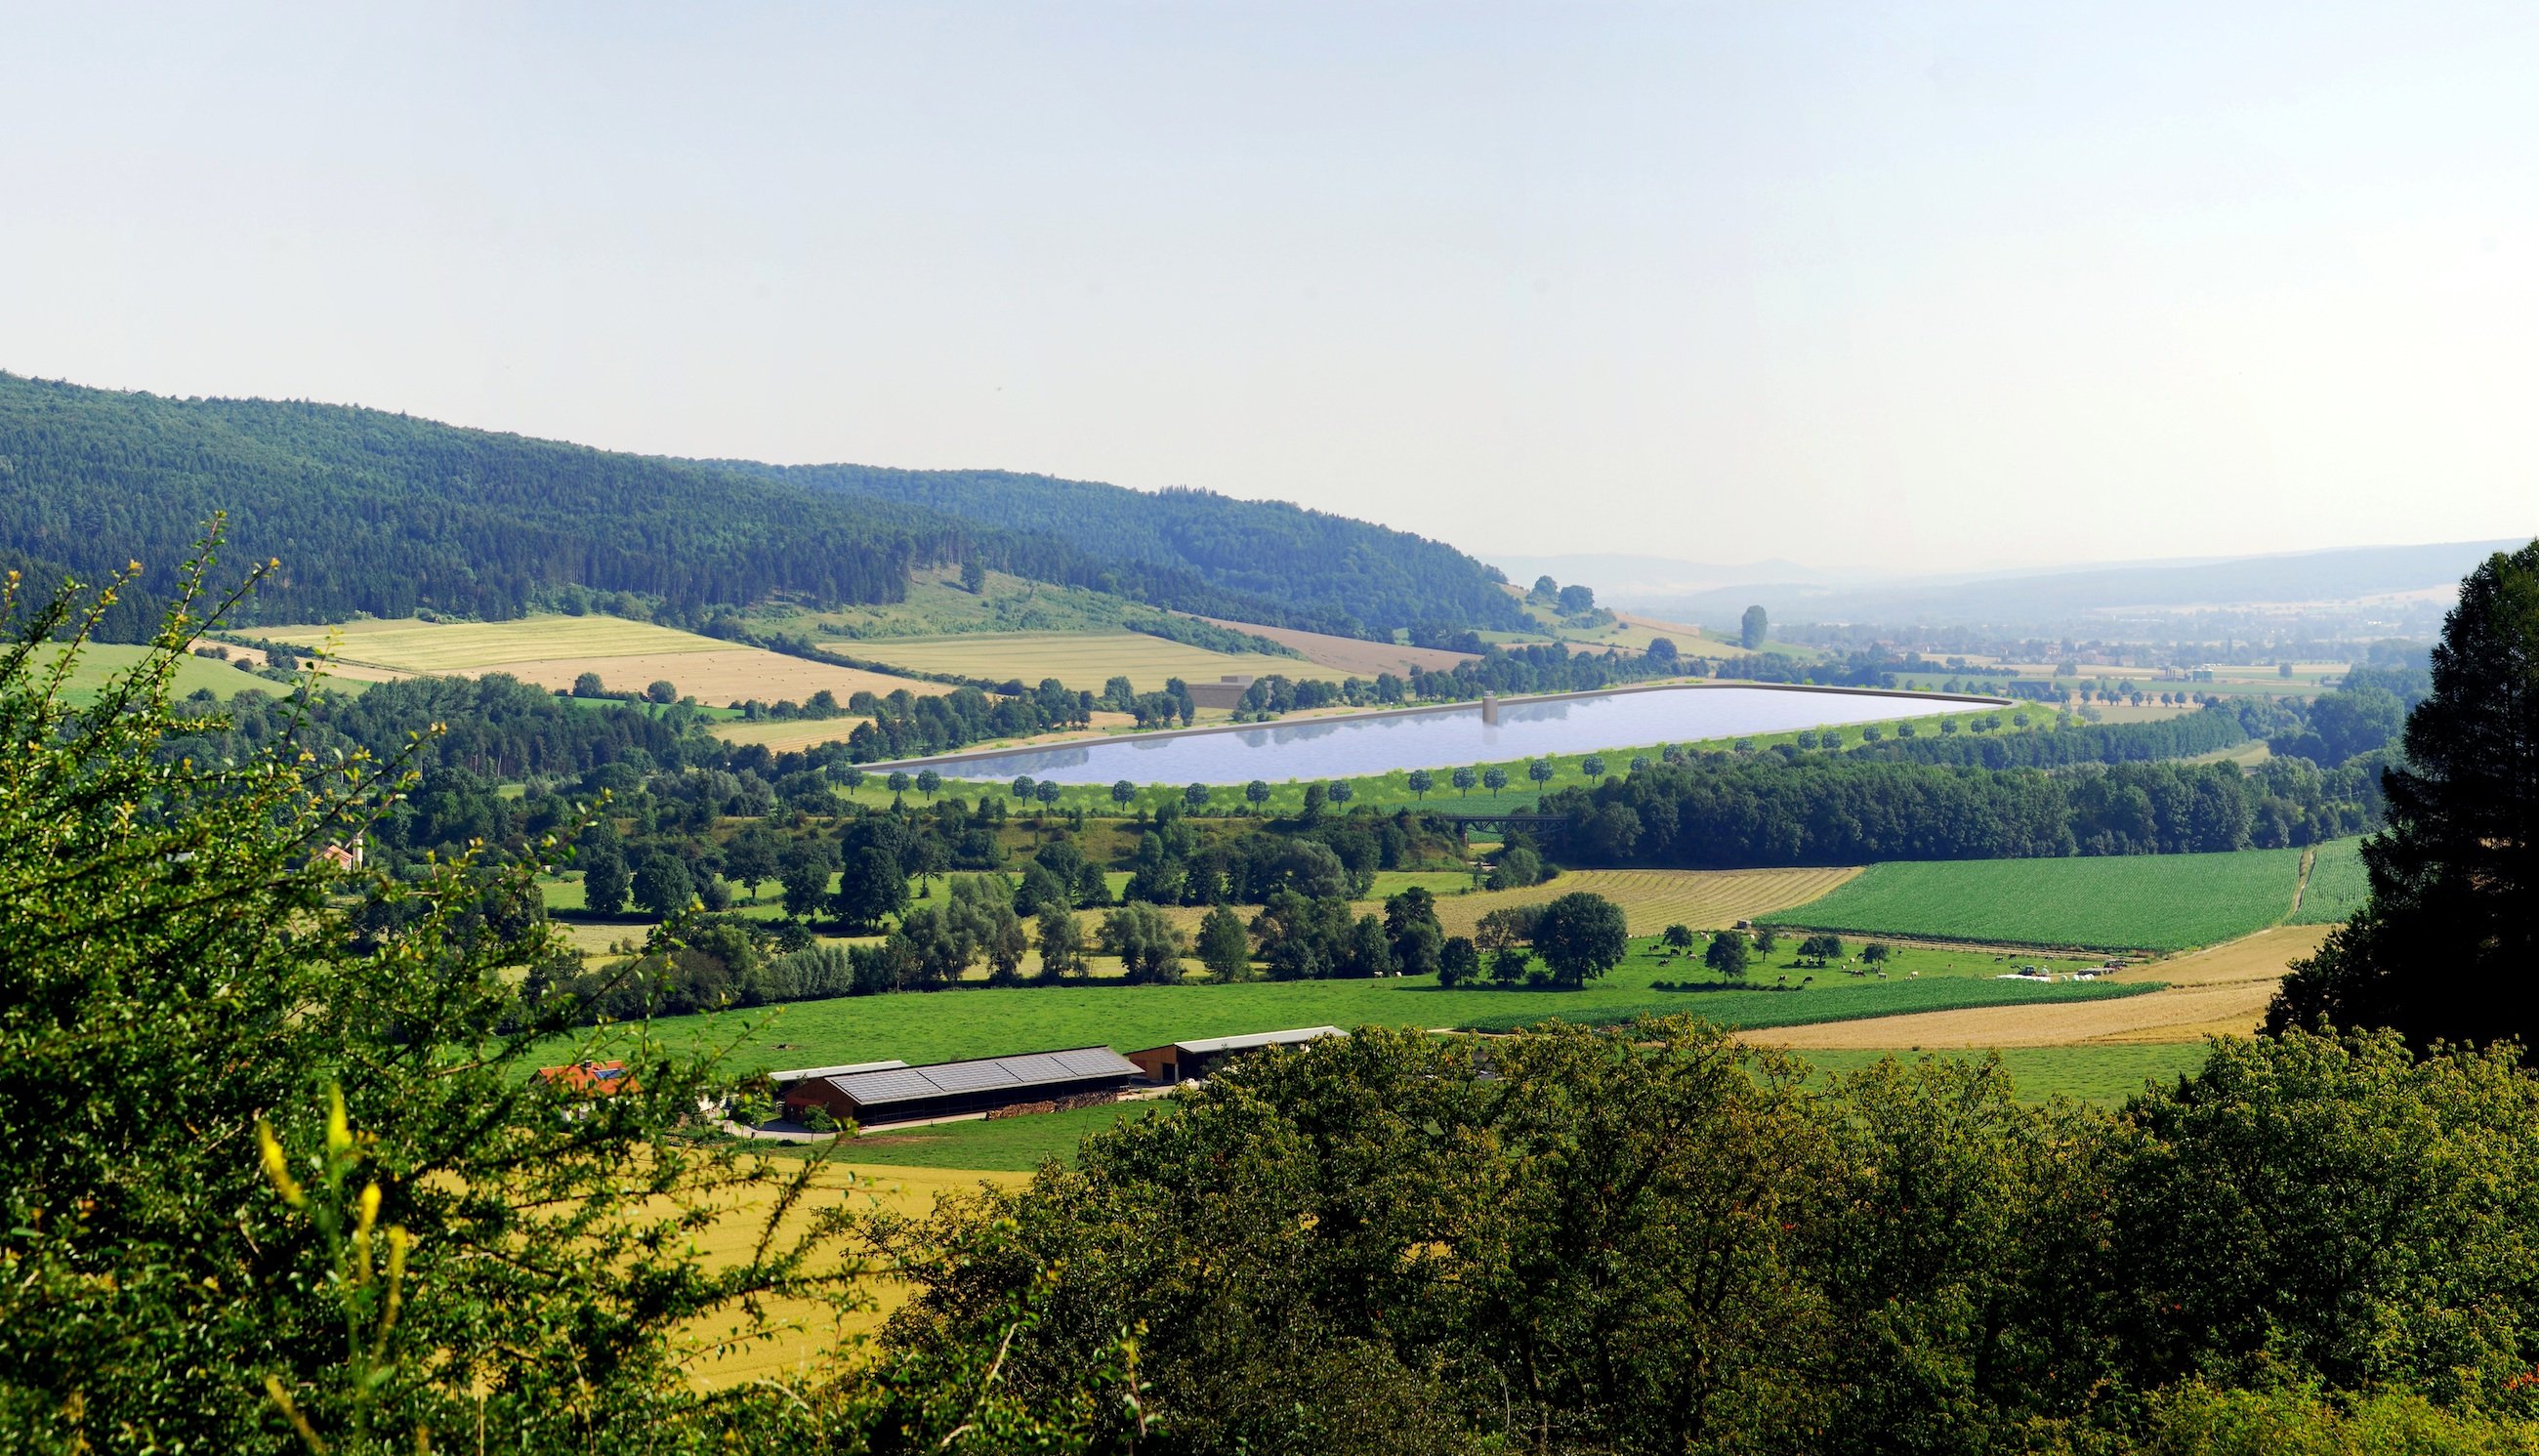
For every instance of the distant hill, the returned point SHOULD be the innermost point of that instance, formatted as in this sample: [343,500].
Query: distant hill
[2081,595]
[1330,573]
[1626,577]
[383,513]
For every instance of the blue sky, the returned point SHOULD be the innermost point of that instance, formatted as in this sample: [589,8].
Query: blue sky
[1885,287]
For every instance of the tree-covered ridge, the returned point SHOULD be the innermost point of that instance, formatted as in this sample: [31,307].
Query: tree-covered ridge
[383,513]
[1329,573]
[387,515]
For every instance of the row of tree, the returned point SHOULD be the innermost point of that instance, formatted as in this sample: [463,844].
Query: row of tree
[1724,811]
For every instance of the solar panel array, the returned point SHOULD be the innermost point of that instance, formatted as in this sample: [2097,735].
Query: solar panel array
[947,1078]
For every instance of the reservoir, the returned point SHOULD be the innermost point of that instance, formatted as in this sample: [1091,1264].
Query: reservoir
[1444,738]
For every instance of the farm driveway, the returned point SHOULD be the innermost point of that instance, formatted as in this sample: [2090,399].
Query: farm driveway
[2221,991]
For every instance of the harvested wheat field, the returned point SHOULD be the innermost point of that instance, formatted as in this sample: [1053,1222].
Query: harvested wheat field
[2216,992]
[1081,659]
[629,657]
[470,647]
[730,675]
[780,738]
[1653,899]
[1353,656]
[818,1327]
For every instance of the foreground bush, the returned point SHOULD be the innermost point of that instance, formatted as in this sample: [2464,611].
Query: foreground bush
[1655,1239]
[277,1178]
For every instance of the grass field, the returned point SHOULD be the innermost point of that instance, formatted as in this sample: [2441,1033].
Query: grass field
[936,604]
[979,1022]
[552,652]
[100,662]
[1080,660]
[2090,1073]
[1761,1009]
[1007,1145]
[2149,902]
[2337,885]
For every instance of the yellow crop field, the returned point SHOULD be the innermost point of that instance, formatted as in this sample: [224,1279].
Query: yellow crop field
[470,647]
[910,1190]
[1653,899]
[2215,992]
[732,675]
[781,737]
[552,652]
[1353,657]
[1080,660]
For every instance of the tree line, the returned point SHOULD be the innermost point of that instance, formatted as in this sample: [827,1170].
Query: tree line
[1725,812]
[2205,731]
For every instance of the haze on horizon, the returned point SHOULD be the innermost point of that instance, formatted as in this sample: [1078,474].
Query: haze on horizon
[1933,287]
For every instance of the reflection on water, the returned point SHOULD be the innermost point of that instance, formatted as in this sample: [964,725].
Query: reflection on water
[1442,737]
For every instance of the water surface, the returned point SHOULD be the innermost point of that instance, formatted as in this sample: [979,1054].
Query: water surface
[1442,737]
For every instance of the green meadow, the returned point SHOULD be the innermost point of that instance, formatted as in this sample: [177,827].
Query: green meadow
[2128,902]
[949,1025]
[100,663]
[2337,885]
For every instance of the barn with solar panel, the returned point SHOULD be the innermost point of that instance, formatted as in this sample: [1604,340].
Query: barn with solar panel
[948,1089]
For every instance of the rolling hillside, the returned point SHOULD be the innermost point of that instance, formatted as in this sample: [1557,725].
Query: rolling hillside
[1331,574]
[385,515]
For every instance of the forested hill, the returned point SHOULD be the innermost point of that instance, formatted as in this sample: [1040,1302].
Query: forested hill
[1330,572]
[379,513]
[385,514]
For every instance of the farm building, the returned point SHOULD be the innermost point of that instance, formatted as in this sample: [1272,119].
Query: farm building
[905,1095]
[1189,1061]
[590,1078]
[1225,692]
[806,1074]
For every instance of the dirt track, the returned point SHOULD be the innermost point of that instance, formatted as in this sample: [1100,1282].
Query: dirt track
[2222,989]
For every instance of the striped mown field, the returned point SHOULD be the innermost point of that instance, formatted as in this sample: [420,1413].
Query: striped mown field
[1653,899]
[1080,660]
[2129,902]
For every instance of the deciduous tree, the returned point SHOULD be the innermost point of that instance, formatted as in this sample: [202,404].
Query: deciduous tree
[1580,936]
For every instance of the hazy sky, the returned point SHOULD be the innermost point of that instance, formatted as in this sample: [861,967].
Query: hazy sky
[1929,285]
